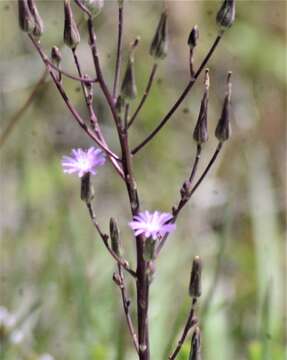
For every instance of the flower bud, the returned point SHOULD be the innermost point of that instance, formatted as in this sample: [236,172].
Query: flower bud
[39,26]
[195,278]
[200,133]
[71,32]
[195,351]
[56,55]
[129,88]
[26,20]
[94,6]
[87,190]
[193,37]
[226,14]
[115,237]
[159,45]
[223,129]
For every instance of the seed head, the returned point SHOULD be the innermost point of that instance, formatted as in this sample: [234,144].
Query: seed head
[193,37]
[159,45]
[129,88]
[39,25]
[71,33]
[200,133]
[223,129]
[195,278]
[26,19]
[226,14]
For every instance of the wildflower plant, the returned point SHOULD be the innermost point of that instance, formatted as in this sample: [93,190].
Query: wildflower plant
[151,228]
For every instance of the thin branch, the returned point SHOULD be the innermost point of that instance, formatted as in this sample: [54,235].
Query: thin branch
[145,94]
[89,102]
[18,115]
[119,48]
[211,162]
[102,83]
[113,157]
[181,98]
[122,262]
[188,325]
[183,201]
[126,305]
[73,77]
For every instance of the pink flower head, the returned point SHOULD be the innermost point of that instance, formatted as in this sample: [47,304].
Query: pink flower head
[83,161]
[153,225]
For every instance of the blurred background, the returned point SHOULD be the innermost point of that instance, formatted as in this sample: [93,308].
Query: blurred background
[56,292]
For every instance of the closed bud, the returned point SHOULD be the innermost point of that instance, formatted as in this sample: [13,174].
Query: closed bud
[26,19]
[129,88]
[39,26]
[149,249]
[117,280]
[193,37]
[223,129]
[56,55]
[115,237]
[71,33]
[87,190]
[200,133]
[195,351]
[94,6]
[195,278]
[159,45]
[226,14]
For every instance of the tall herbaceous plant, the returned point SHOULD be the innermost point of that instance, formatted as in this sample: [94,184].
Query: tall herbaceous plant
[151,227]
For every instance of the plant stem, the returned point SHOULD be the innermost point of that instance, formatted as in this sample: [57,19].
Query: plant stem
[183,201]
[145,95]
[17,116]
[180,99]
[122,262]
[113,157]
[142,278]
[126,306]
[119,48]
[186,329]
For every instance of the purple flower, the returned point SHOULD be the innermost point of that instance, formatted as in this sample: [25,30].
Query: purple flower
[83,161]
[153,225]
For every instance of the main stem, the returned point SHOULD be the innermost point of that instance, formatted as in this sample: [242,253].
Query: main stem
[142,278]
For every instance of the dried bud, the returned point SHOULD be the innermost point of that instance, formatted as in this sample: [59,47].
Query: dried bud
[117,280]
[26,19]
[56,55]
[195,352]
[193,37]
[115,237]
[71,32]
[39,26]
[87,190]
[94,6]
[200,133]
[223,129]
[226,14]
[129,88]
[195,278]
[159,44]
[149,249]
